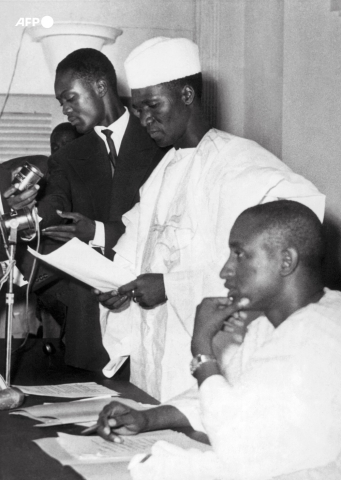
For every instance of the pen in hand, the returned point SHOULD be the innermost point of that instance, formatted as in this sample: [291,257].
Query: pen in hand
[93,429]
[148,455]
[89,430]
[139,458]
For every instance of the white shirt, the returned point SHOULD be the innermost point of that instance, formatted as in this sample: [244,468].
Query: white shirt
[119,128]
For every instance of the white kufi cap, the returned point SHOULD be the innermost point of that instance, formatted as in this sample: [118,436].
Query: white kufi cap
[161,60]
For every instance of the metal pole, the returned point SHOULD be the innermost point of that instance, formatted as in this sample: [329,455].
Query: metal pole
[10,305]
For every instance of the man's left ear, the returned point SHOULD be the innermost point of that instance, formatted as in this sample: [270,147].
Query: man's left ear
[289,261]
[102,87]
[188,94]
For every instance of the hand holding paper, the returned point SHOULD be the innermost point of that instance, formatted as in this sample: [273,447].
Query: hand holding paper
[113,300]
[81,227]
[82,262]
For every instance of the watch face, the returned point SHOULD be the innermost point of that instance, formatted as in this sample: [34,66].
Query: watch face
[199,359]
[196,362]
[193,365]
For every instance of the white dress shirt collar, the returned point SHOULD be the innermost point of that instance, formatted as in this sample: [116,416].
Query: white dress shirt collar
[118,127]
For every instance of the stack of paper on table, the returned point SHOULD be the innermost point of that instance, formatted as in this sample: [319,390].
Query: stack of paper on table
[80,261]
[81,411]
[105,457]
[68,390]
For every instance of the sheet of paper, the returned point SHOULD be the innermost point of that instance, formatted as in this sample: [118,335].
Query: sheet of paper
[95,448]
[65,412]
[79,260]
[74,449]
[72,412]
[68,390]
[105,471]
[114,365]
[90,471]
[3,384]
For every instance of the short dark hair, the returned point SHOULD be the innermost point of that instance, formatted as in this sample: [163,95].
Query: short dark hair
[195,81]
[89,65]
[291,224]
[65,127]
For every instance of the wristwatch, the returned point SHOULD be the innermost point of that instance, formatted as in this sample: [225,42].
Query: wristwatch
[198,360]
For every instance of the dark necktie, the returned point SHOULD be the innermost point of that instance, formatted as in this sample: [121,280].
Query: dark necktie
[112,153]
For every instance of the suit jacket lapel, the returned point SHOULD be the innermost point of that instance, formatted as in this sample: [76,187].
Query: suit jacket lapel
[92,166]
[135,158]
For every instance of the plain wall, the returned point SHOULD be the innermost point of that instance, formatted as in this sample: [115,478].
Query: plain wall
[278,66]
[220,34]
[312,108]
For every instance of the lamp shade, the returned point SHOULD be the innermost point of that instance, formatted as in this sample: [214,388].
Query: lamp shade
[65,37]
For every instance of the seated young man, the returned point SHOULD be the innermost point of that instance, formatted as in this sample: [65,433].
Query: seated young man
[274,408]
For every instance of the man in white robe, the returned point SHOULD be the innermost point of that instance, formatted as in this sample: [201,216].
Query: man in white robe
[176,237]
[274,409]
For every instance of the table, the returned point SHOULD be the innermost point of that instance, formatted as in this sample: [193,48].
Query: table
[20,458]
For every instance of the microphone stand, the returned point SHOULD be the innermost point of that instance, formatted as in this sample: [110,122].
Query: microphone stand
[12,241]
[10,397]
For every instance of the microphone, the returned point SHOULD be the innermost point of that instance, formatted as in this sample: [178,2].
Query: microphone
[24,219]
[20,219]
[26,177]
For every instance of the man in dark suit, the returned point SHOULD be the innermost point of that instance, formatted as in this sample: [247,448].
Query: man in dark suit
[80,180]
[92,182]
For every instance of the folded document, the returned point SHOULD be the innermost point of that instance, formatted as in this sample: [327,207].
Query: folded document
[80,261]
[79,411]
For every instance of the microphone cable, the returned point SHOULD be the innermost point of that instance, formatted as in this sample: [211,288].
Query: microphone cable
[29,283]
